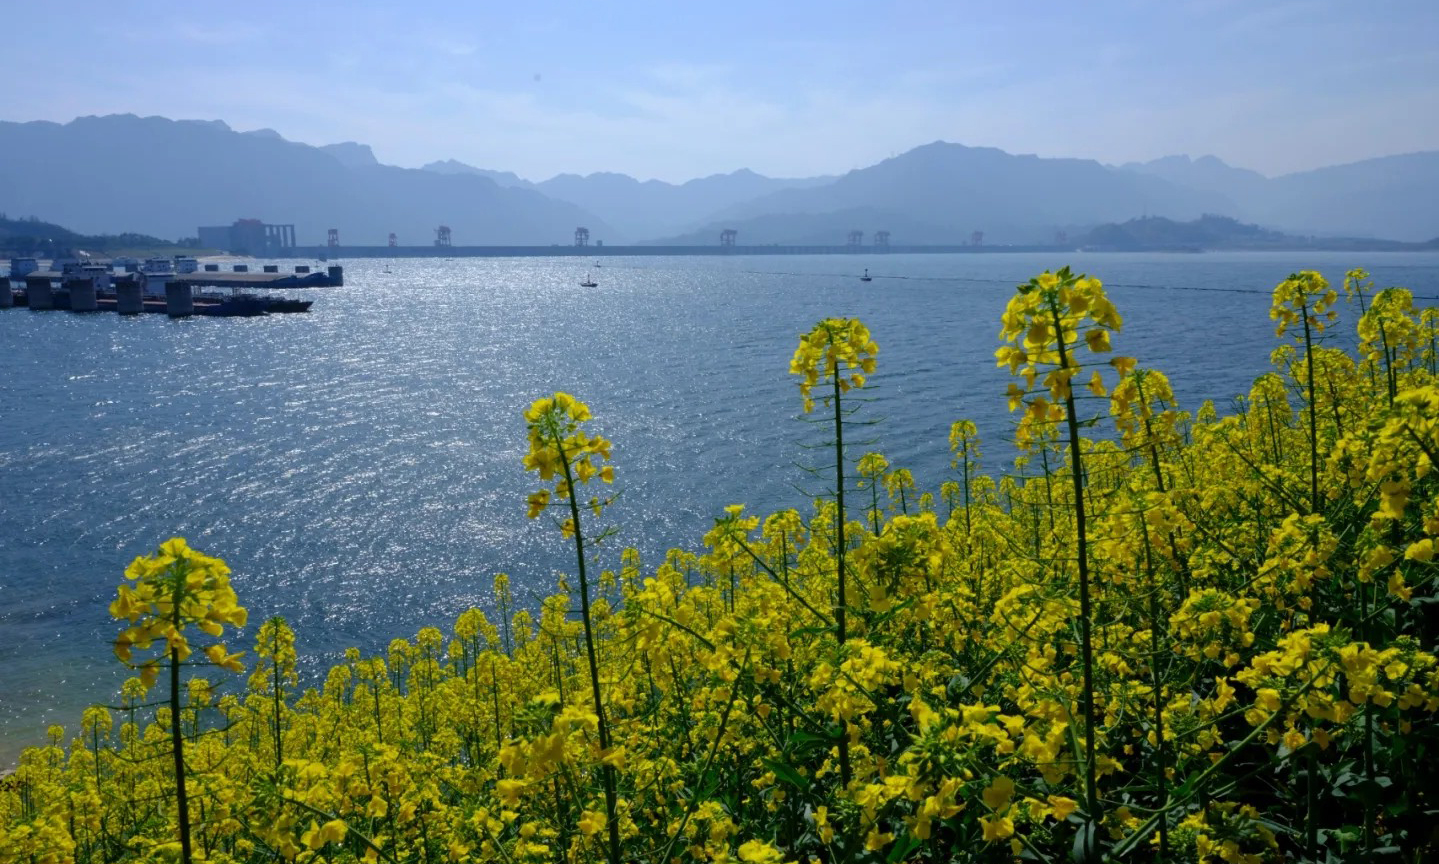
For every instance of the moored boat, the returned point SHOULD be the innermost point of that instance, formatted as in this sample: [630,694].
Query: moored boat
[86,270]
[286,304]
[157,271]
[279,304]
[237,306]
[21,267]
[240,300]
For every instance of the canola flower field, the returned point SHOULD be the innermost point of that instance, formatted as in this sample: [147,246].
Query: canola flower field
[1161,636]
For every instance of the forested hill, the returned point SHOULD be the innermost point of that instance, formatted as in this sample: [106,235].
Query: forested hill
[32,237]
[1222,232]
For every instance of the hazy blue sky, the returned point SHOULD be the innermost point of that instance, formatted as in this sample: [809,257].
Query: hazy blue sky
[676,88]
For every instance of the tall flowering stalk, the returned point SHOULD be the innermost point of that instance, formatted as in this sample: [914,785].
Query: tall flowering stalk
[276,674]
[871,469]
[1306,299]
[964,445]
[1045,320]
[839,353]
[174,589]
[563,452]
[1390,336]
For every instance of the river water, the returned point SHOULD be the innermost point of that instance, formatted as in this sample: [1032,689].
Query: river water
[359,466]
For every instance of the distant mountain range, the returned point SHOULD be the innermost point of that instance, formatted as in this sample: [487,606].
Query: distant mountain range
[650,208]
[166,177]
[1392,197]
[944,192]
[941,192]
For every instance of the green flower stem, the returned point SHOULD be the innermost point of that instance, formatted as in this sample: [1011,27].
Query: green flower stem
[1076,470]
[1313,422]
[1161,777]
[844,771]
[177,742]
[608,771]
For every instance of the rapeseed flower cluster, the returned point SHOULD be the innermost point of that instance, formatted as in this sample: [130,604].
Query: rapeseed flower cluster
[173,589]
[560,450]
[1165,637]
[838,350]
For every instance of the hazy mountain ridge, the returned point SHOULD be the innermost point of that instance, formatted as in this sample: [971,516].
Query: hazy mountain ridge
[453,166]
[165,177]
[352,155]
[1387,197]
[1392,197]
[644,208]
[947,191]
[1240,185]
[950,190]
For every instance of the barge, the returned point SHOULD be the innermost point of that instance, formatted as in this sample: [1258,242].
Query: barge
[132,294]
[160,285]
[210,276]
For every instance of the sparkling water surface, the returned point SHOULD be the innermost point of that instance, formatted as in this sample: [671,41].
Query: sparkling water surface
[359,466]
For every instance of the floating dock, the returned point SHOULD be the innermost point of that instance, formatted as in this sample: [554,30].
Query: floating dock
[95,289]
[240,277]
[126,298]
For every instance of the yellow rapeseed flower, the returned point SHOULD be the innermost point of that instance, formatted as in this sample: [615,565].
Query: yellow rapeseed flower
[836,350]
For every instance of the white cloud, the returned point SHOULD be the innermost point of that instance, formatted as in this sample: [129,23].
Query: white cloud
[214,34]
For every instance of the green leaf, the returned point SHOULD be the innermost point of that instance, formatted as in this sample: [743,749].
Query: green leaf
[900,849]
[1085,840]
[810,631]
[803,744]
[787,773]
